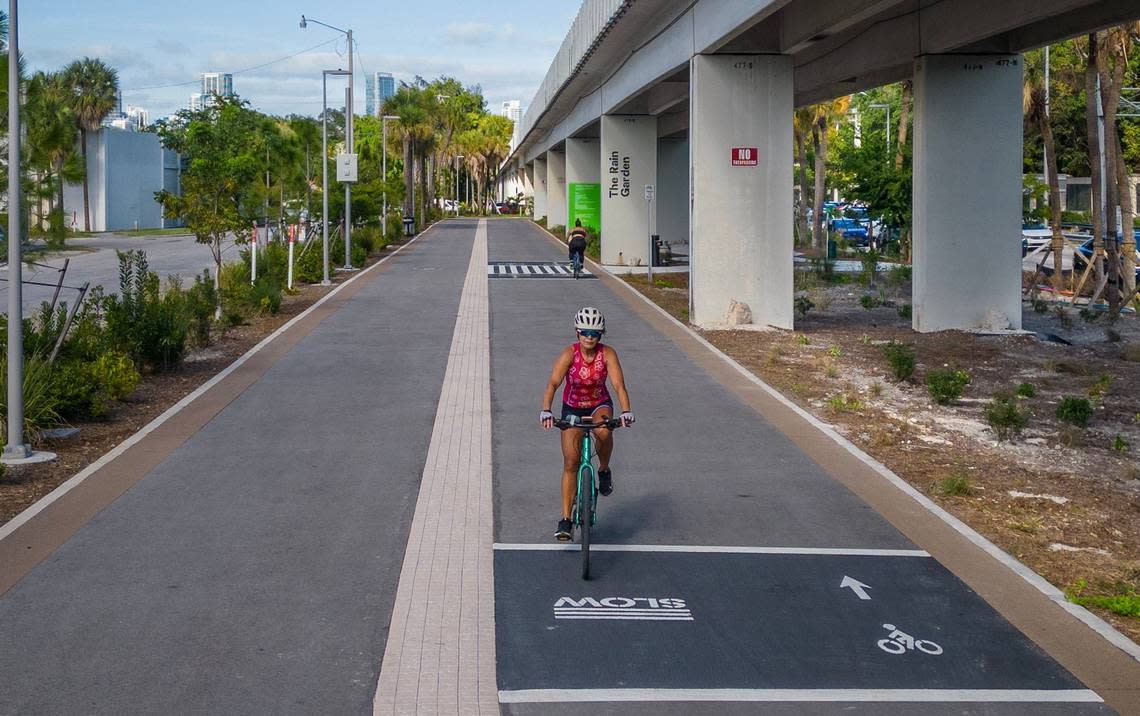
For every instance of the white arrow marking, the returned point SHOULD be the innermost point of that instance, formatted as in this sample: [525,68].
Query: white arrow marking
[856,586]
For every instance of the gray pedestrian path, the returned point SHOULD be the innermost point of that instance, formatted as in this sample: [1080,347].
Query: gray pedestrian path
[254,570]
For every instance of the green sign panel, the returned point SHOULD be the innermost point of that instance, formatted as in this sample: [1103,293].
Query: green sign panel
[585,204]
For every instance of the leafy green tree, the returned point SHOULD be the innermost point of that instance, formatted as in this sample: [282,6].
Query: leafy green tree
[96,90]
[51,135]
[224,147]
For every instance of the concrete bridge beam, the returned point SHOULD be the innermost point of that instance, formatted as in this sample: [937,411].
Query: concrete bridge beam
[741,226]
[628,163]
[967,192]
[538,174]
[555,188]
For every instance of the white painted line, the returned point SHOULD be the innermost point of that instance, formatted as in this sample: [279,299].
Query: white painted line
[632,618]
[550,696]
[548,270]
[16,522]
[1094,622]
[711,549]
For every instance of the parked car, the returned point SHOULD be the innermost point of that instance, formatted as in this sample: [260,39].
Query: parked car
[849,229]
[1086,251]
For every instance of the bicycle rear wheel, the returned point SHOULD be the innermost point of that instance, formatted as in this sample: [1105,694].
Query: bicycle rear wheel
[586,515]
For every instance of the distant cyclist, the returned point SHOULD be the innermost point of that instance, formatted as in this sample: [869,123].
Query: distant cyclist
[585,366]
[577,242]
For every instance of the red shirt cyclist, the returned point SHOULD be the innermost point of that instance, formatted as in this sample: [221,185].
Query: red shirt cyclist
[585,367]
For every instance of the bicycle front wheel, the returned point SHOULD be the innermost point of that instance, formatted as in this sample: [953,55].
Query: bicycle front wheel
[586,515]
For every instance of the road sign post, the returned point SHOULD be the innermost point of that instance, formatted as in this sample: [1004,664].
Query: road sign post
[649,191]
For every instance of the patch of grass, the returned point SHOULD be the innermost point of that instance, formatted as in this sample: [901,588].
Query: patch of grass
[1029,526]
[1088,316]
[1040,306]
[802,339]
[867,301]
[840,403]
[663,283]
[822,300]
[1132,353]
[898,275]
[1005,417]
[901,358]
[1071,436]
[956,484]
[805,280]
[1119,444]
[835,351]
[1118,598]
[876,389]
[774,353]
[946,386]
[1025,390]
[865,339]
[1074,410]
[1050,366]
[905,311]
[1100,387]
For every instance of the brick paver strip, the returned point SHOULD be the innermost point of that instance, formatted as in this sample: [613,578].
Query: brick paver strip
[440,655]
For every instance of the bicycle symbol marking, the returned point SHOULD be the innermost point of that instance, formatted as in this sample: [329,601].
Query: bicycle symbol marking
[899,642]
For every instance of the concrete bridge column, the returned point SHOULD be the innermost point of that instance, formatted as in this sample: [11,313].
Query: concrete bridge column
[555,189]
[582,188]
[740,134]
[967,192]
[671,205]
[526,174]
[628,163]
[539,176]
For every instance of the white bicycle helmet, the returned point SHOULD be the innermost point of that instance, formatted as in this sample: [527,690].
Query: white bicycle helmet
[589,319]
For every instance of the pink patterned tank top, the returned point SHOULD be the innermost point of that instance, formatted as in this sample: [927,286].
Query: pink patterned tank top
[586,381]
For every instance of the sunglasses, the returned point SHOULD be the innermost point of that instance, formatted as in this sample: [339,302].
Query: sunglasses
[590,334]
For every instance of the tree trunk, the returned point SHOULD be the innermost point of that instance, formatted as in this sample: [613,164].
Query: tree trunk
[1118,170]
[1094,159]
[904,120]
[429,181]
[86,201]
[819,144]
[1110,83]
[801,210]
[409,178]
[1058,243]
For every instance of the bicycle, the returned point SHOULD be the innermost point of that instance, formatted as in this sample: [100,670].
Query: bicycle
[584,513]
[576,264]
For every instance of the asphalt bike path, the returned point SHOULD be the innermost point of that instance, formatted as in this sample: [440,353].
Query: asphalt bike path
[254,569]
[731,572]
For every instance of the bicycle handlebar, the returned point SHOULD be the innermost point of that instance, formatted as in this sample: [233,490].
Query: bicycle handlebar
[611,423]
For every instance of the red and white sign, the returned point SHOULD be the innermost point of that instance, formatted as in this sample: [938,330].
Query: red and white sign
[745,156]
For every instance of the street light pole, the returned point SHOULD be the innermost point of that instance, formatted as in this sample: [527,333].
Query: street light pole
[456,172]
[325,169]
[15,448]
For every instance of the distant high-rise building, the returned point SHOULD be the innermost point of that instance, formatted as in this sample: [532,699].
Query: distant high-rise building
[378,87]
[219,83]
[197,102]
[512,110]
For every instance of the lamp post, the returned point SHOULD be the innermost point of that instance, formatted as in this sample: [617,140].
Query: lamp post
[325,168]
[384,167]
[349,145]
[457,158]
[15,448]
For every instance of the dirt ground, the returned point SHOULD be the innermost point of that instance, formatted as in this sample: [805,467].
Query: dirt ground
[1063,500]
[23,485]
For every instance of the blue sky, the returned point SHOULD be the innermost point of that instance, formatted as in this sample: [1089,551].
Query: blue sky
[506,47]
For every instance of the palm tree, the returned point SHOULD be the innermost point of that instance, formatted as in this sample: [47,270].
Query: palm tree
[824,118]
[801,128]
[405,105]
[96,89]
[51,142]
[1033,105]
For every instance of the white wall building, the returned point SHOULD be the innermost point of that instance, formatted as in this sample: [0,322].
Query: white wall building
[124,170]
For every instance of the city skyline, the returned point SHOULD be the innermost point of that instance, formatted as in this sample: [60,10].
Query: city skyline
[380,86]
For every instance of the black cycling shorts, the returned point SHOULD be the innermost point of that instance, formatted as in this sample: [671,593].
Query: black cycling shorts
[567,410]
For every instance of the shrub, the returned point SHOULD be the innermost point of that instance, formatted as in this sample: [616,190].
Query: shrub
[142,322]
[804,280]
[803,305]
[905,311]
[898,275]
[1100,387]
[558,230]
[946,386]
[265,296]
[1074,410]
[40,400]
[868,301]
[1119,444]
[1005,417]
[1026,390]
[901,358]
[870,263]
[309,262]
[369,238]
[840,403]
[201,302]
[821,299]
[115,375]
[235,293]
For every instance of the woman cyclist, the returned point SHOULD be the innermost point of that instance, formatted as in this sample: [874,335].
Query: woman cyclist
[585,366]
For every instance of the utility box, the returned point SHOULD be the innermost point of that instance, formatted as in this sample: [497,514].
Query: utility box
[346,167]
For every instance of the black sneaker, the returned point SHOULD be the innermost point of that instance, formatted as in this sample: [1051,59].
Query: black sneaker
[562,534]
[605,481]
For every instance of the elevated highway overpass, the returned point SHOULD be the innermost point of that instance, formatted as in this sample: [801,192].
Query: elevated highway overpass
[696,98]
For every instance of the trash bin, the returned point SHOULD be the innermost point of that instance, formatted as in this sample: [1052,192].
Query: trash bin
[655,243]
[831,249]
[409,225]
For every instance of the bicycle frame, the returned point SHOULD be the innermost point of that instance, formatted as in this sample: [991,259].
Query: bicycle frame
[586,465]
